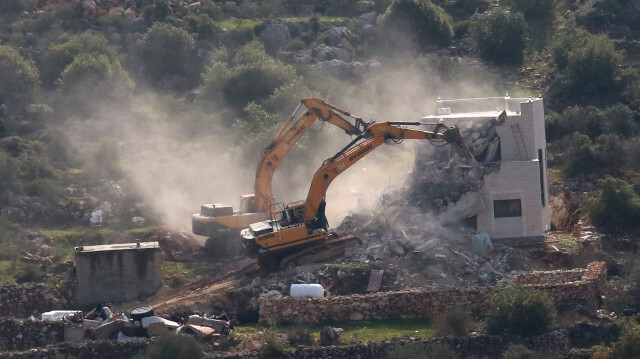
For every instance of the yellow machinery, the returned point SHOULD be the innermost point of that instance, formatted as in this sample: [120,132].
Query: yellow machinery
[299,232]
[220,222]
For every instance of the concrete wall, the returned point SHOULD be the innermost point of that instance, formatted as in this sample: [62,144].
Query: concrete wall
[117,273]
[522,135]
[23,300]
[560,285]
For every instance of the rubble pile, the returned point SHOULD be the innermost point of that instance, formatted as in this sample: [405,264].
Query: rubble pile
[438,181]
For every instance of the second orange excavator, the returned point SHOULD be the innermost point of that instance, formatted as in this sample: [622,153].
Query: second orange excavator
[298,233]
[220,222]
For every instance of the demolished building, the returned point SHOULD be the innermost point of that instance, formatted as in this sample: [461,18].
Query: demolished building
[510,199]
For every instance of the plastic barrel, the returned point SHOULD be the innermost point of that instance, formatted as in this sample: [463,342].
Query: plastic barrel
[307,291]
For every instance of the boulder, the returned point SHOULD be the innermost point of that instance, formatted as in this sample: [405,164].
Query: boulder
[330,336]
[275,36]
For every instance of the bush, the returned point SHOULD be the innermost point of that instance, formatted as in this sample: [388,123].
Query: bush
[601,15]
[203,25]
[522,312]
[421,22]
[531,9]
[464,8]
[275,346]
[95,76]
[252,75]
[173,346]
[582,157]
[19,79]
[29,272]
[458,322]
[422,351]
[60,56]
[617,208]
[592,69]
[301,336]
[499,37]
[628,346]
[517,351]
[167,50]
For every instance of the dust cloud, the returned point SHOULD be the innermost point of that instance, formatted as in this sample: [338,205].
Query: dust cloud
[175,168]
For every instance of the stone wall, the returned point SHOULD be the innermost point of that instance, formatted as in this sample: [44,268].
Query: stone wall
[23,300]
[482,346]
[18,334]
[87,350]
[428,302]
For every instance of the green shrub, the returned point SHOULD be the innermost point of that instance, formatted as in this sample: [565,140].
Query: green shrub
[301,336]
[499,36]
[617,208]
[29,272]
[461,28]
[517,351]
[203,25]
[582,157]
[522,312]
[19,80]
[464,8]
[276,346]
[458,322]
[173,346]
[252,75]
[601,15]
[95,75]
[12,6]
[422,351]
[420,21]
[628,346]
[592,69]
[166,50]
[157,12]
[60,56]
[531,9]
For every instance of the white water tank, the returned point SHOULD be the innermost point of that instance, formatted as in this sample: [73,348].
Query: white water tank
[306,291]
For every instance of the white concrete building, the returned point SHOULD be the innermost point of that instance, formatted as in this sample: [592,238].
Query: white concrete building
[516,197]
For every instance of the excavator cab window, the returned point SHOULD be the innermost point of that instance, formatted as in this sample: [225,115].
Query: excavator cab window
[248,205]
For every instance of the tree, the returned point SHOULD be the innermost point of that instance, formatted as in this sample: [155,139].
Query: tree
[420,21]
[95,75]
[589,69]
[617,208]
[532,10]
[166,50]
[251,75]
[523,312]
[59,56]
[18,79]
[499,36]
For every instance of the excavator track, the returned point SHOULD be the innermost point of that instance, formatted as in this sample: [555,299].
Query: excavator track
[327,249]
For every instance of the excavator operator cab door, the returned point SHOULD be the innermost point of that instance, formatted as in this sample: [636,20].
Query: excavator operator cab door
[248,204]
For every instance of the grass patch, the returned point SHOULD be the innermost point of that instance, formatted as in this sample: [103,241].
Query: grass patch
[555,175]
[182,272]
[240,23]
[360,331]
[8,270]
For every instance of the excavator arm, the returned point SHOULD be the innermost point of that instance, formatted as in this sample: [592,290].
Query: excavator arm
[375,135]
[289,135]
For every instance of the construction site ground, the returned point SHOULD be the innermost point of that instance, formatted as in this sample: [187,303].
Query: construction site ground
[199,282]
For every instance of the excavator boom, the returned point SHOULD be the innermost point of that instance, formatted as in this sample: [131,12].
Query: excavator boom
[302,227]
[220,222]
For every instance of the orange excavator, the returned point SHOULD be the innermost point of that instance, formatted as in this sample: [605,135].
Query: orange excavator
[220,222]
[298,233]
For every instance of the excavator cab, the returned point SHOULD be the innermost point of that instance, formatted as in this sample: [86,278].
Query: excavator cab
[248,203]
